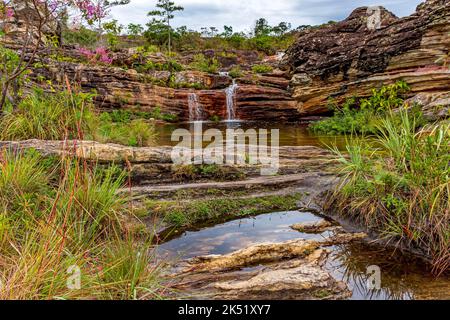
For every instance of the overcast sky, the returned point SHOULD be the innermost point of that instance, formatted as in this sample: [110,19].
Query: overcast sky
[241,14]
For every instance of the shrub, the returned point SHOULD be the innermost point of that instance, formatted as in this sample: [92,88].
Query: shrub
[262,68]
[135,133]
[62,115]
[170,65]
[72,222]
[204,64]
[236,72]
[364,117]
[83,37]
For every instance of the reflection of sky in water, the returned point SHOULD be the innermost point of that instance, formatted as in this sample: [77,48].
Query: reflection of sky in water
[401,278]
[239,234]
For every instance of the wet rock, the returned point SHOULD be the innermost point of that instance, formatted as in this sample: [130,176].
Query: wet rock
[298,279]
[267,252]
[288,270]
[313,227]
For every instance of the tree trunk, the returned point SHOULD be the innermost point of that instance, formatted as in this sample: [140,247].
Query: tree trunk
[4,94]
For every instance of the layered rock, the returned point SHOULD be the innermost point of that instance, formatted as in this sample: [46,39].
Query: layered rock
[349,59]
[259,97]
[23,28]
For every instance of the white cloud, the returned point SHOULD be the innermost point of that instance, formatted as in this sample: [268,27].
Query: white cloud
[242,14]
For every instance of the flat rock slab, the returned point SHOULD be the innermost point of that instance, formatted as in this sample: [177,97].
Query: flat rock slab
[286,270]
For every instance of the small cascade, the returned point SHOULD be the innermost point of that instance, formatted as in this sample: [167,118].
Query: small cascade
[231,101]
[195,109]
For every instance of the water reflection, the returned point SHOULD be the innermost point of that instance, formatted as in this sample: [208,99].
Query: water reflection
[238,234]
[290,134]
[401,276]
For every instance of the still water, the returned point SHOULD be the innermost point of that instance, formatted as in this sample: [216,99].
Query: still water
[289,134]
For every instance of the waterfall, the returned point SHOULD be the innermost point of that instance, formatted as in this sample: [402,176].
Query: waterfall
[231,101]
[195,109]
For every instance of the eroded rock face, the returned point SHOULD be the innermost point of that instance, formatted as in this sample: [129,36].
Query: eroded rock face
[23,24]
[435,106]
[261,97]
[348,59]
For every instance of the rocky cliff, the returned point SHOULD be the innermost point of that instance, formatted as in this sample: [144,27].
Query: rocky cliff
[257,97]
[335,61]
[349,58]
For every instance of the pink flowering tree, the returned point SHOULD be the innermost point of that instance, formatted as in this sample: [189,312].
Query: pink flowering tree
[41,16]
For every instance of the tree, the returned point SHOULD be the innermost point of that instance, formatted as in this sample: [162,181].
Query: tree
[135,30]
[227,31]
[113,30]
[166,11]
[281,28]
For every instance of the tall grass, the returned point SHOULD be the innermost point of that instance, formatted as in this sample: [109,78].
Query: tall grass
[53,221]
[398,183]
[47,116]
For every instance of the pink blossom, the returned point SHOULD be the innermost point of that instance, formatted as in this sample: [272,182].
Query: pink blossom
[99,55]
[9,12]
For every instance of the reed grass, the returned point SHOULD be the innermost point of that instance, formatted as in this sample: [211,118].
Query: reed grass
[397,182]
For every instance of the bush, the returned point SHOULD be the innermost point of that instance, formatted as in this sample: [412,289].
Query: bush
[171,65]
[236,72]
[76,221]
[261,68]
[62,115]
[83,37]
[135,133]
[204,64]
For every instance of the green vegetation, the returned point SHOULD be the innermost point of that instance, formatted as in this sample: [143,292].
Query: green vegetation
[170,65]
[262,68]
[365,116]
[398,183]
[136,133]
[206,171]
[202,63]
[83,36]
[184,214]
[60,220]
[45,116]
[236,72]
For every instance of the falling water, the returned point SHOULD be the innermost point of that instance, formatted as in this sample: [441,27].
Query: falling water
[231,101]
[195,109]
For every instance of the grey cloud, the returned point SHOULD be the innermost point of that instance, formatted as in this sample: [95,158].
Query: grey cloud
[242,14]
